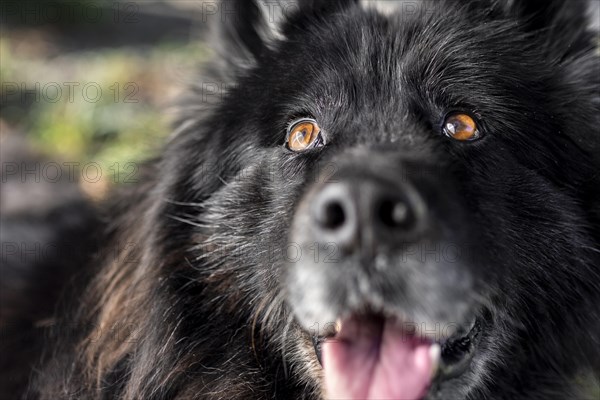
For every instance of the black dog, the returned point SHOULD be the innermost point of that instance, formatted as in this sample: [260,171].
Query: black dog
[410,197]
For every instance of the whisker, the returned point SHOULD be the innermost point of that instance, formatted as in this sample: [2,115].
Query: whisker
[286,329]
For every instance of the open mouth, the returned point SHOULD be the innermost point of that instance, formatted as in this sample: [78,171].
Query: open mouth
[374,357]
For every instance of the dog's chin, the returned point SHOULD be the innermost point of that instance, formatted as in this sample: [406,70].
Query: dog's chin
[372,356]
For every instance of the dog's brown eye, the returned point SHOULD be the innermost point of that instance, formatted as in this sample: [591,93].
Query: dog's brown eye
[461,127]
[303,134]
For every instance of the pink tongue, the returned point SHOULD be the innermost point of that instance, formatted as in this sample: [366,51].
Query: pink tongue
[371,360]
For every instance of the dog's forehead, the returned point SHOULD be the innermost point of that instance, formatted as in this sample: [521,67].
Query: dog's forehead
[377,64]
[395,7]
[424,42]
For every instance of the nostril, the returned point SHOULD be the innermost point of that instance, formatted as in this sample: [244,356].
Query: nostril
[333,216]
[395,214]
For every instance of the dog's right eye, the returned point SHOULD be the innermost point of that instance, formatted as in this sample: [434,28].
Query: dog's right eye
[304,134]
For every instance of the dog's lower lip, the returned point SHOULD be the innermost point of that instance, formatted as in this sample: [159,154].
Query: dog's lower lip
[375,356]
[458,352]
[444,367]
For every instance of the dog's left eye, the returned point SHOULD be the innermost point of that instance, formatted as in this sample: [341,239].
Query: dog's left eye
[304,134]
[460,126]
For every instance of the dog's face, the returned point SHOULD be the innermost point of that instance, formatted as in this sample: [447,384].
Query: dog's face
[407,183]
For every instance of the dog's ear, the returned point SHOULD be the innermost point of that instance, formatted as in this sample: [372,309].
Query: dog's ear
[565,24]
[567,31]
[240,30]
[243,30]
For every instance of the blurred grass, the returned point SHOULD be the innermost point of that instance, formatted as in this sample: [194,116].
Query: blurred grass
[126,123]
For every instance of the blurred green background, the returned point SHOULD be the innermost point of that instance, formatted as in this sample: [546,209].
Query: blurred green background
[95,81]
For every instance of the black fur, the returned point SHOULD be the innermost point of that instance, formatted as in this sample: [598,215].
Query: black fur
[208,303]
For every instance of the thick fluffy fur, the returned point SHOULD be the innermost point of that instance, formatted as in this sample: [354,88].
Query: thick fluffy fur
[197,304]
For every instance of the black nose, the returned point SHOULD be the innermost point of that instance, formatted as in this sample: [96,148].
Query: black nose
[366,212]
